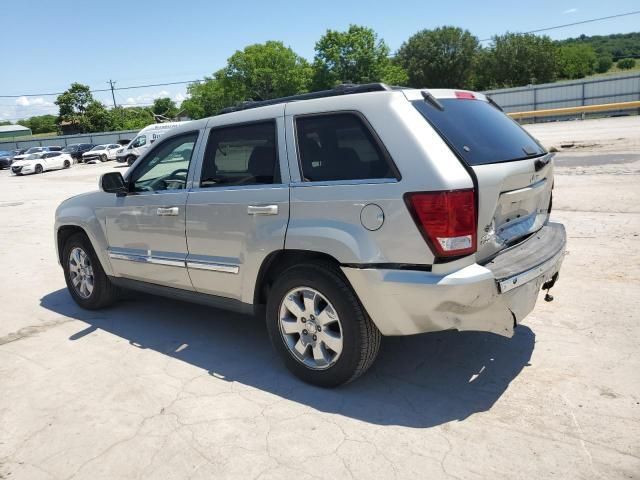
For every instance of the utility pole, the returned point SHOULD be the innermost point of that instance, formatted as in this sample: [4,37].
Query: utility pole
[113,95]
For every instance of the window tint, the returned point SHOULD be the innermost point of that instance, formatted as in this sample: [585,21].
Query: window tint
[339,147]
[140,141]
[479,132]
[241,155]
[166,166]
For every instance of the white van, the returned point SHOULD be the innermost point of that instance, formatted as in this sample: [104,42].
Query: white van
[143,141]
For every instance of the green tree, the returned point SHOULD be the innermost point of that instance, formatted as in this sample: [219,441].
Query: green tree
[164,106]
[73,103]
[131,118]
[604,64]
[516,59]
[353,56]
[207,98]
[6,122]
[576,61]
[96,118]
[626,64]
[264,71]
[443,57]
[40,123]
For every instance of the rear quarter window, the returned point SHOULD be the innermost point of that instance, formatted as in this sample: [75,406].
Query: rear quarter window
[340,146]
[478,132]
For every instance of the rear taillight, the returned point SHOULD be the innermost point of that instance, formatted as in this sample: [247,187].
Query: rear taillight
[447,220]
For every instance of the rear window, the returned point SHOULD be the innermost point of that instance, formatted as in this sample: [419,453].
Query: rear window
[478,132]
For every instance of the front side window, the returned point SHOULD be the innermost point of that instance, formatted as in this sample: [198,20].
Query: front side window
[241,155]
[166,166]
[140,141]
[339,147]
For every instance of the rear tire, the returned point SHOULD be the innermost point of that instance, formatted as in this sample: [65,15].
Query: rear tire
[323,300]
[39,169]
[88,285]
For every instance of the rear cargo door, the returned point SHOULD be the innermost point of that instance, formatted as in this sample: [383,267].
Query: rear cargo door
[512,172]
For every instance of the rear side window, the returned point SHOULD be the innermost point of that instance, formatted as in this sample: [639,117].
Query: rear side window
[241,155]
[478,132]
[339,147]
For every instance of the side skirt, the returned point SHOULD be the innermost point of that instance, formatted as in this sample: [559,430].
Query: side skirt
[185,295]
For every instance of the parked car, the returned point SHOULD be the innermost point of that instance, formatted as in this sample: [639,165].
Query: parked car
[32,150]
[344,215]
[41,162]
[144,140]
[77,149]
[6,158]
[101,153]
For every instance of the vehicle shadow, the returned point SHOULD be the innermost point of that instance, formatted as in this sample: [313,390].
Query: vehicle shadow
[418,381]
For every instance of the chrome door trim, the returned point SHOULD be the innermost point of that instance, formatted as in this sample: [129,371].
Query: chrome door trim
[167,211]
[130,257]
[214,267]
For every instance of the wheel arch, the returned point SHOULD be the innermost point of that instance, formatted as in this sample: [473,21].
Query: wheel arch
[280,260]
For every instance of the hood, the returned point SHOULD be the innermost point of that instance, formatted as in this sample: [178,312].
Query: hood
[19,157]
[22,163]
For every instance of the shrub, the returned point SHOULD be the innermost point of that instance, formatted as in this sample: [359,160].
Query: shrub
[604,64]
[626,63]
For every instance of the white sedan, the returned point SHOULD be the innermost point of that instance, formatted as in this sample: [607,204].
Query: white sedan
[101,152]
[41,162]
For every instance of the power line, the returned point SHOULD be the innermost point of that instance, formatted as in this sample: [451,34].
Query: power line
[576,23]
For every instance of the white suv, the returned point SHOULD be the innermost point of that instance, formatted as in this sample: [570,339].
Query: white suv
[344,215]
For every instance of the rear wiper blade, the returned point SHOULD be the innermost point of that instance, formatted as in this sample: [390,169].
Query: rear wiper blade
[493,102]
[429,98]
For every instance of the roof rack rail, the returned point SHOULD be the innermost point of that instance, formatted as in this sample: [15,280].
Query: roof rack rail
[343,89]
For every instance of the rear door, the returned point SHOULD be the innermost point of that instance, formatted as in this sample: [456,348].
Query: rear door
[512,172]
[238,208]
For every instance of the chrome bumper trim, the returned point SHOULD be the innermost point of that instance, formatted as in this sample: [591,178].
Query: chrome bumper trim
[516,281]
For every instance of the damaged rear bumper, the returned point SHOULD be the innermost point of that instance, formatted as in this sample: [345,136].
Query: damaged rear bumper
[490,297]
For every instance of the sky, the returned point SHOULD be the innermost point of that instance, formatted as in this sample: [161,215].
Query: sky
[47,45]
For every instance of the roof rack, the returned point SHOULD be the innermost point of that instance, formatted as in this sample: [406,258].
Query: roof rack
[343,89]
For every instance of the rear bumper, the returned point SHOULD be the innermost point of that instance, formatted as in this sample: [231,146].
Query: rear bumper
[490,297]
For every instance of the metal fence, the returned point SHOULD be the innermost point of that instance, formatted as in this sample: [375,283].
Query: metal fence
[596,91]
[64,140]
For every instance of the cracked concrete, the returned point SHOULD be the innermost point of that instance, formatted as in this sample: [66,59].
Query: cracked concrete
[154,388]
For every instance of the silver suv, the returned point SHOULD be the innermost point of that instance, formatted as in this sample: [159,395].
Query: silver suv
[344,215]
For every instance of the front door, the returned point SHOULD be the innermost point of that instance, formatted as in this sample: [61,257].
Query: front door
[146,227]
[238,208]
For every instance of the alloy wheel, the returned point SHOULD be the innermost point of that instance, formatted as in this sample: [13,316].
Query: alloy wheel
[81,272]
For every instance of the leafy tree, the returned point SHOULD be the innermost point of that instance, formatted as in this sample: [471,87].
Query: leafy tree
[516,59]
[354,56]
[626,63]
[576,61]
[96,118]
[164,106]
[74,102]
[207,98]
[131,118]
[604,64]
[40,123]
[443,57]
[265,71]
[618,45]
[5,122]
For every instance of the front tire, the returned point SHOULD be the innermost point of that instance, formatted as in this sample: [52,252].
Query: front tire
[66,164]
[103,158]
[38,169]
[318,326]
[130,160]
[88,285]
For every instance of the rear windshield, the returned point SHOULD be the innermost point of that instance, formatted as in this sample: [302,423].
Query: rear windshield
[479,132]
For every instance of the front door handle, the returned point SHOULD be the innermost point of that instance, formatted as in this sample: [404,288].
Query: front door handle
[262,209]
[168,211]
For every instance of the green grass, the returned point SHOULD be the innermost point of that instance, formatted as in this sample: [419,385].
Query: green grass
[614,70]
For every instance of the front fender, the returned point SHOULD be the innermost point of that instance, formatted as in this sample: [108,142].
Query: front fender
[82,216]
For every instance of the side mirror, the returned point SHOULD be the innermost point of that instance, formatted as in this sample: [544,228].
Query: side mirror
[113,182]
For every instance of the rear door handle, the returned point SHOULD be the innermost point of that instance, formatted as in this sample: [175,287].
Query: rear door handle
[262,209]
[168,211]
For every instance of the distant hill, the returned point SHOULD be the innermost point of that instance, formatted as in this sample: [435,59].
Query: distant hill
[617,45]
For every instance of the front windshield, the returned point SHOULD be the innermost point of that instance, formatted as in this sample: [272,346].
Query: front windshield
[4,153]
[70,148]
[33,150]
[98,147]
[32,156]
